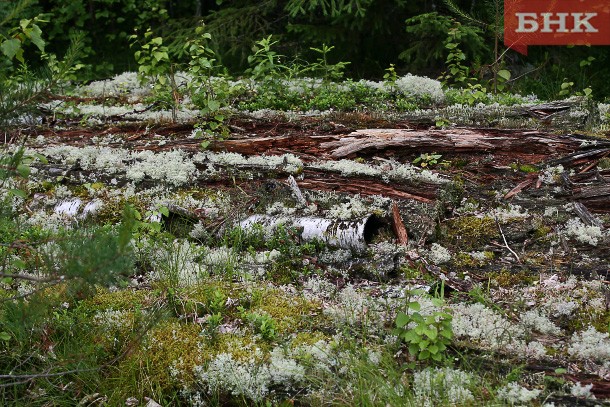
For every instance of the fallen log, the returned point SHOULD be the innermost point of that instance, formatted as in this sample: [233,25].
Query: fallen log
[354,235]
[459,140]
[352,185]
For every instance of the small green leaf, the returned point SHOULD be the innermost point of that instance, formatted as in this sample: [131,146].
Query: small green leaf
[561,370]
[413,349]
[10,47]
[504,74]
[411,337]
[415,306]
[432,333]
[41,158]
[424,355]
[18,192]
[20,264]
[161,55]
[5,336]
[213,105]
[164,211]
[35,35]
[23,170]
[447,333]
[402,319]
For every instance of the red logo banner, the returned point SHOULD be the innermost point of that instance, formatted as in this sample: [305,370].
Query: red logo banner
[556,22]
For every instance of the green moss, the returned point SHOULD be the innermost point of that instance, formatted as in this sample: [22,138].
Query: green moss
[463,260]
[307,338]
[527,168]
[291,313]
[170,344]
[507,279]
[118,300]
[468,232]
[542,232]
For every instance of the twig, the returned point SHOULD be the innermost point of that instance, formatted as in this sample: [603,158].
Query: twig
[31,278]
[505,242]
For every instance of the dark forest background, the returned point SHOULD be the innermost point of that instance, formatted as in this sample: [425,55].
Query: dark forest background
[370,34]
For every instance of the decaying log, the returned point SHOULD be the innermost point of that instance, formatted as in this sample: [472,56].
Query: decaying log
[451,140]
[307,144]
[335,182]
[580,157]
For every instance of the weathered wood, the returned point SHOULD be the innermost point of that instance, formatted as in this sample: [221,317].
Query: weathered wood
[450,140]
[398,226]
[332,182]
[521,186]
[309,145]
[586,216]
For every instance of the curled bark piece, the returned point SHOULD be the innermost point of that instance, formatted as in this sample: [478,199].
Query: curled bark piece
[354,235]
[398,226]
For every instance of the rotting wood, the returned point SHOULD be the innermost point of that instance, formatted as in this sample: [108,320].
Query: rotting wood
[586,216]
[521,186]
[595,197]
[580,157]
[398,226]
[307,144]
[353,185]
[451,140]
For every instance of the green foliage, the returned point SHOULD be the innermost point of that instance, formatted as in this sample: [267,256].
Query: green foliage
[153,58]
[328,71]
[265,63]
[159,64]
[429,335]
[12,43]
[436,37]
[390,76]
[45,275]
[263,324]
[20,88]
[430,160]
[108,25]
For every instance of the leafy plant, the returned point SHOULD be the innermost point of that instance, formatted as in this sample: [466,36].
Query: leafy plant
[263,324]
[427,336]
[212,129]
[390,76]
[328,71]
[430,160]
[265,63]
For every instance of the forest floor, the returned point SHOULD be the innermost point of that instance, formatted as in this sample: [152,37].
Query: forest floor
[506,226]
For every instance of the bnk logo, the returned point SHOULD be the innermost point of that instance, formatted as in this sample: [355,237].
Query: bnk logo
[556,22]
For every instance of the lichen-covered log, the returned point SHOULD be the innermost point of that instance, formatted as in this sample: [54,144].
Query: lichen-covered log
[453,141]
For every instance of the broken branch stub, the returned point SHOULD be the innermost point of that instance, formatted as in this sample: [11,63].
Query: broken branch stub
[353,235]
